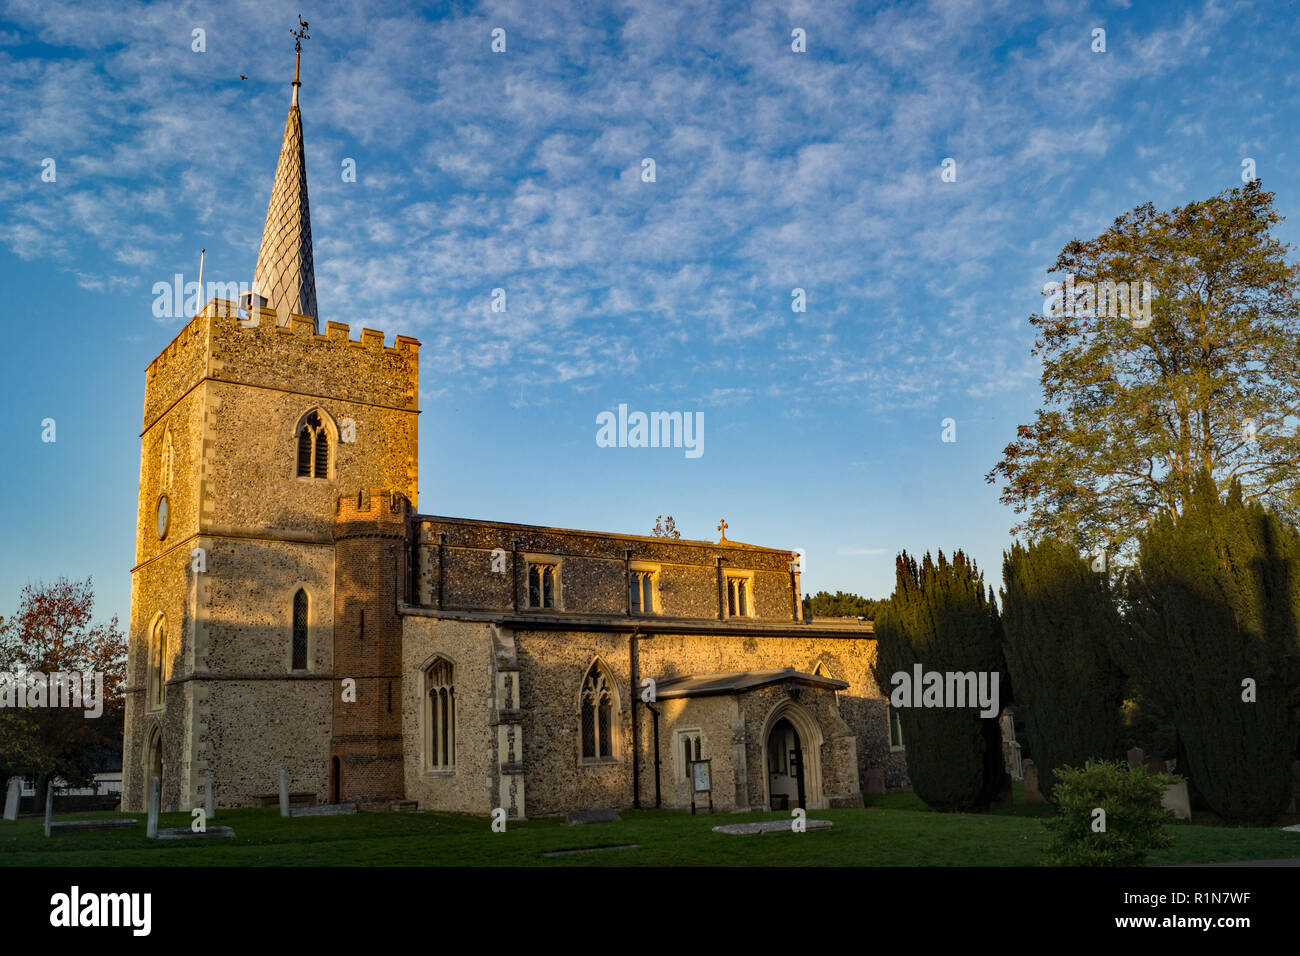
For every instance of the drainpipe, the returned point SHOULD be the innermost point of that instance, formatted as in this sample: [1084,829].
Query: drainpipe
[654,714]
[634,661]
[627,578]
[514,570]
[442,567]
[794,589]
[722,600]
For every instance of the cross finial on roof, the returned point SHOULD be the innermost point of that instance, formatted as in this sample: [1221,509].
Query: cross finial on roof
[722,527]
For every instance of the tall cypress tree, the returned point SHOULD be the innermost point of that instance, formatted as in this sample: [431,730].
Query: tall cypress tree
[1058,617]
[1215,604]
[939,617]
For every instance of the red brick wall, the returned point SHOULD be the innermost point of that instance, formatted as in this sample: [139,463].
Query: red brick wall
[370,548]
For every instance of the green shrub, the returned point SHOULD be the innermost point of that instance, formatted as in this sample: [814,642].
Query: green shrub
[940,617]
[1215,601]
[1057,616]
[1134,823]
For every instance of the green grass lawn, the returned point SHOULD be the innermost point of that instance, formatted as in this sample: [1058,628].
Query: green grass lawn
[896,830]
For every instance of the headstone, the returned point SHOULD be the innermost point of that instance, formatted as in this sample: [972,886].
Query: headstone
[1032,793]
[284,793]
[209,799]
[1156,765]
[49,805]
[1136,757]
[185,833]
[591,816]
[875,780]
[770,826]
[12,796]
[155,797]
[1176,799]
[325,810]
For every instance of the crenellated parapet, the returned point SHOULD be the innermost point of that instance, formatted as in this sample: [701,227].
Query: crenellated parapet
[253,349]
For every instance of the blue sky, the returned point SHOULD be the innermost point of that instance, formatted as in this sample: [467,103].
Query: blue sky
[522,171]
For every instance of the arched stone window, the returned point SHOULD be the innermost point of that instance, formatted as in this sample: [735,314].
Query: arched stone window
[158,665]
[300,608]
[440,715]
[313,446]
[598,714]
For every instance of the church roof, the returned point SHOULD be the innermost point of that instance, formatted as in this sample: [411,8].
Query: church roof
[706,685]
[285,275]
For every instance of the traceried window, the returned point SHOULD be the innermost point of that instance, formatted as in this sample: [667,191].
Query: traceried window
[158,665]
[543,584]
[738,596]
[440,716]
[689,748]
[313,448]
[597,715]
[642,587]
[300,630]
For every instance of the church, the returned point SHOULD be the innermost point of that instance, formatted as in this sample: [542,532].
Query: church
[293,609]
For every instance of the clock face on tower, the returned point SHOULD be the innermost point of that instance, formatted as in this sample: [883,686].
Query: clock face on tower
[162,516]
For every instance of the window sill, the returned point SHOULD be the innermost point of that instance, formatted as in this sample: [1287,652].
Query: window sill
[440,773]
[896,750]
[599,762]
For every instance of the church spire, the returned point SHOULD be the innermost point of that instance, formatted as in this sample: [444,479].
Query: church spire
[285,275]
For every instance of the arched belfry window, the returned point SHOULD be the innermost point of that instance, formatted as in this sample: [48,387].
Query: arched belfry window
[440,715]
[300,630]
[313,447]
[598,714]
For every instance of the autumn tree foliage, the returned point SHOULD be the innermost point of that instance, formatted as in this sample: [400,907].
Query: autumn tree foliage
[54,631]
[940,617]
[1133,407]
[1058,619]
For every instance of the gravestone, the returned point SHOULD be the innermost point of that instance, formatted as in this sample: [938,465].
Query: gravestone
[875,781]
[155,797]
[575,817]
[284,793]
[1136,757]
[12,796]
[324,810]
[209,799]
[770,826]
[1032,793]
[1175,798]
[49,806]
[185,833]
[1156,765]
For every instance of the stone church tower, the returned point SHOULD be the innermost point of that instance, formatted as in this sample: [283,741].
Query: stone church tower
[255,424]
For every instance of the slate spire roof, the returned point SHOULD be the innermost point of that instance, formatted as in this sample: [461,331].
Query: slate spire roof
[285,275]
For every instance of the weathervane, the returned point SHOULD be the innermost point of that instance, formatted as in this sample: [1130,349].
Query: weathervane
[298,36]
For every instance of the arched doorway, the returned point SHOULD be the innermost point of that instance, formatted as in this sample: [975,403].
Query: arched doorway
[785,784]
[336,781]
[792,743]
